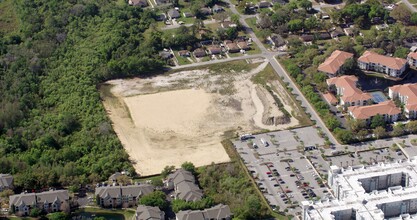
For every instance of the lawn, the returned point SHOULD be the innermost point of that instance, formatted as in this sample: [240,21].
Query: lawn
[116,214]
[8,18]
[182,60]
[252,24]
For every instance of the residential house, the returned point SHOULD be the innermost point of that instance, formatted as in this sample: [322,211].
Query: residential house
[199,52]
[161,17]
[264,4]
[139,3]
[205,11]
[162,2]
[166,55]
[407,94]
[184,53]
[334,62]
[282,2]
[386,109]
[173,14]
[188,14]
[183,182]
[232,47]
[121,196]
[114,176]
[228,24]
[349,94]
[49,201]
[217,9]
[213,50]
[324,36]
[149,213]
[348,32]
[412,59]
[307,38]
[218,212]
[243,45]
[391,66]
[337,32]
[6,182]
[276,40]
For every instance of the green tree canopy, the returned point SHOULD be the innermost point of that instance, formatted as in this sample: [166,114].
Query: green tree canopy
[156,198]
[377,121]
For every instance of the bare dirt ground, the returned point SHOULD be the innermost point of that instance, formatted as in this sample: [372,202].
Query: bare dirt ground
[170,119]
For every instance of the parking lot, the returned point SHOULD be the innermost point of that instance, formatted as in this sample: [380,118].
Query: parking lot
[282,172]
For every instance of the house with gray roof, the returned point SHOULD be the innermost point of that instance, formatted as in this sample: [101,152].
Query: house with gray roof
[218,212]
[183,182]
[149,213]
[121,196]
[188,191]
[49,201]
[173,13]
[6,182]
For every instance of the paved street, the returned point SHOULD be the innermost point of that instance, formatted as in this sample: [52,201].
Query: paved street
[409,5]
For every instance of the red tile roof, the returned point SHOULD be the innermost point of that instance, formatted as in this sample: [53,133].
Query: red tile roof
[365,112]
[391,62]
[330,98]
[409,90]
[413,55]
[333,63]
[350,92]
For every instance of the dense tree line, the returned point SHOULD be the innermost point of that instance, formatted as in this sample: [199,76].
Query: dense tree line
[53,128]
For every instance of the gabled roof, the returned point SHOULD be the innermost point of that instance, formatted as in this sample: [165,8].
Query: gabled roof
[409,90]
[6,180]
[149,213]
[219,211]
[190,215]
[333,63]
[350,92]
[114,176]
[232,46]
[330,98]
[189,191]
[119,191]
[243,45]
[391,62]
[173,13]
[181,175]
[43,197]
[368,111]
[22,199]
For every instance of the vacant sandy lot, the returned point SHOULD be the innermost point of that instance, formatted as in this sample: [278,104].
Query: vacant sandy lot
[167,120]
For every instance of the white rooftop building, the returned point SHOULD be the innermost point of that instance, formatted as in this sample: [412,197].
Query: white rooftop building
[378,192]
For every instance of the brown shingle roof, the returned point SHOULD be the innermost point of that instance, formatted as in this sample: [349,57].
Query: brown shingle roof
[333,63]
[365,112]
[409,90]
[391,62]
[350,92]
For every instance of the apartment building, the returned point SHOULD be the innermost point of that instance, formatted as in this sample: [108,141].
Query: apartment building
[378,192]
[333,64]
[412,59]
[387,109]
[391,66]
[349,94]
[49,201]
[407,94]
[183,182]
[121,196]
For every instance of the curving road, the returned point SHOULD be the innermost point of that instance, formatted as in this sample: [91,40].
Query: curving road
[271,57]
[409,5]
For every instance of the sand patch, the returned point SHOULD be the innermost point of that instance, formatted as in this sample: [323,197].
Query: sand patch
[169,119]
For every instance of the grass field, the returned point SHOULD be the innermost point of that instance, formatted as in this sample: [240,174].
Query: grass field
[8,18]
